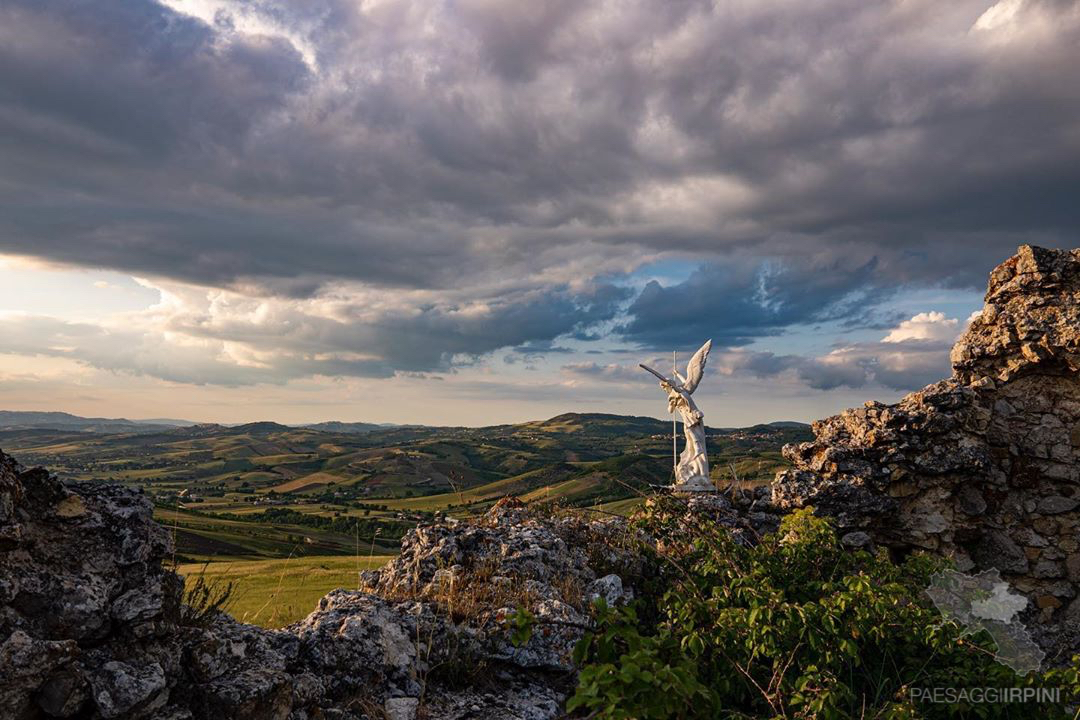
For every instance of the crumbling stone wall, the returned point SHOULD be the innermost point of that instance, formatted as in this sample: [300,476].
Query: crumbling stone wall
[985,466]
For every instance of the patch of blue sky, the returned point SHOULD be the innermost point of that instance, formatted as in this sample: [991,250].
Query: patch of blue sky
[813,339]
[959,304]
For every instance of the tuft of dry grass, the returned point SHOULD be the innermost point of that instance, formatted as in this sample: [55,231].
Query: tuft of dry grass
[470,594]
[204,599]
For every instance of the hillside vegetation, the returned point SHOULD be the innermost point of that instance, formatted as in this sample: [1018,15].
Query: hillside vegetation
[794,626]
[265,490]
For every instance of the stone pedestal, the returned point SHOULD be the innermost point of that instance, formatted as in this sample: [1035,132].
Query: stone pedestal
[696,484]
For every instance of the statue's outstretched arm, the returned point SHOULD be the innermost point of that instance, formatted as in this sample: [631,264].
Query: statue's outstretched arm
[662,378]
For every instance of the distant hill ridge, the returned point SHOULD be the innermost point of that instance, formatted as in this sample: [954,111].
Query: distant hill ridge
[336,426]
[597,423]
[12,419]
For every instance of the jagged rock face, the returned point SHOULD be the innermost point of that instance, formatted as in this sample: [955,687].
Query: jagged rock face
[483,571]
[81,587]
[984,466]
[1030,322]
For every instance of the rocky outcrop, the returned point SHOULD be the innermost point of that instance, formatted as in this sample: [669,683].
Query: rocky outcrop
[483,571]
[984,466]
[93,625]
[84,600]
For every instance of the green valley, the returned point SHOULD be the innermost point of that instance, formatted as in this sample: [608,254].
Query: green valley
[265,491]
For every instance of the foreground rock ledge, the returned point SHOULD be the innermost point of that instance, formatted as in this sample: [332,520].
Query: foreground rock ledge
[91,623]
[984,466]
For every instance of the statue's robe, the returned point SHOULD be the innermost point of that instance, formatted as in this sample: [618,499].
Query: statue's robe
[694,460]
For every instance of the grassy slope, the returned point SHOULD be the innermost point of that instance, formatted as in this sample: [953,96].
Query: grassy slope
[199,535]
[516,485]
[275,593]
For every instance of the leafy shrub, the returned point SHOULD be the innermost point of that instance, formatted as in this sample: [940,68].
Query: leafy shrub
[521,626]
[794,627]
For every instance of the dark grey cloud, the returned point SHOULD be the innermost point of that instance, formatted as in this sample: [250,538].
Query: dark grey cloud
[906,366]
[437,338]
[736,302]
[815,158]
[852,372]
[455,132]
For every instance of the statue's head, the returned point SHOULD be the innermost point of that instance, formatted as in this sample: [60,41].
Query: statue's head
[674,399]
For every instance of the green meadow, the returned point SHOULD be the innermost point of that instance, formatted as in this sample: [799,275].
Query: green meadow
[276,593]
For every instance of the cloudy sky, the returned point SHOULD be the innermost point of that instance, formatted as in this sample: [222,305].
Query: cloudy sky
[479,211]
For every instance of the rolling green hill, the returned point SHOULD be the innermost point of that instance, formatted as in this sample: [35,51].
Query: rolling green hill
[268,490]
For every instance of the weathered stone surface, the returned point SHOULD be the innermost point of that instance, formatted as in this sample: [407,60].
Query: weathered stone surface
[1055,505]
[608,588]
[857,540]
[748,514]
[121,689]
[26,662]
[1029,321]
[995,548]
[983,466]
[81,587]
[511,697]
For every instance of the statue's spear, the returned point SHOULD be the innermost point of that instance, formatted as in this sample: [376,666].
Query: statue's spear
[674,425]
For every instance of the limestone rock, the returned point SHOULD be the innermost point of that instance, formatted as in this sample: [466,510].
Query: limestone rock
[121,689]
[857,540]
[81,586]
[609,588]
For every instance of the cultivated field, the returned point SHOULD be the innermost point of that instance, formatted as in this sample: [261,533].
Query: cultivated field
[286,511]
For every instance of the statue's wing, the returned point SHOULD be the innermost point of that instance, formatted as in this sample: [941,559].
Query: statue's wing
[646,367]
[696,367]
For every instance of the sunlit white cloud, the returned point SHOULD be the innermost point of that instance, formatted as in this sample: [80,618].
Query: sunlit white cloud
[924,326]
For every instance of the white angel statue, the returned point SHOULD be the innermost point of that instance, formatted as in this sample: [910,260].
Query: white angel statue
[692,469]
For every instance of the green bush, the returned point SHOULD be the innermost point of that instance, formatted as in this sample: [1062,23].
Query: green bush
[794,627]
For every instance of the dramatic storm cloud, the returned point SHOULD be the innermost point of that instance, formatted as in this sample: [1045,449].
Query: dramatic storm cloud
[481,189]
